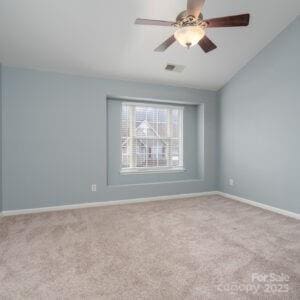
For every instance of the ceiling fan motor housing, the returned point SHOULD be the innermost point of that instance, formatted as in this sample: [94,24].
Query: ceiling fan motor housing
[184,20]
[184,14]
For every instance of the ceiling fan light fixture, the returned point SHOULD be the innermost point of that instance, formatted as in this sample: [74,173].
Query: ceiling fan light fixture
[188,36]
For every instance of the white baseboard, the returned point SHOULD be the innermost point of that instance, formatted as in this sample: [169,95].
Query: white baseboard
[104,203]
[148,199]
[260,205]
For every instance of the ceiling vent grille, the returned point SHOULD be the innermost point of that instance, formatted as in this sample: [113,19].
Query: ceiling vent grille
[174,68]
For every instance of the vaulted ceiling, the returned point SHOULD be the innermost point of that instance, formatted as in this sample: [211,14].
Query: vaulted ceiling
[99,38]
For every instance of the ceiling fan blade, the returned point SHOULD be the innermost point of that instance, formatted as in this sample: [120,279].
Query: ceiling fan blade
[229,21]
[206,44]
[194,7]
[166,44]
[153,22]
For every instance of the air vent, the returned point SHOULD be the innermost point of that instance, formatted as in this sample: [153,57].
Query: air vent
[170,67]
[174,68]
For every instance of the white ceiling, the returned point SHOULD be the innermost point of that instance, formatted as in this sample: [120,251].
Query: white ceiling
[99,38]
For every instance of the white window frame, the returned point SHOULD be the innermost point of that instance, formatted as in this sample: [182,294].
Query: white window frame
[159,169]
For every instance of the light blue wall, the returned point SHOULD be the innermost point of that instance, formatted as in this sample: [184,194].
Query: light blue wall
[0,137]
[260,125]
[54,139]
[190,147]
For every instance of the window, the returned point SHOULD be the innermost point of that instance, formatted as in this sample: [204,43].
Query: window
[151,137]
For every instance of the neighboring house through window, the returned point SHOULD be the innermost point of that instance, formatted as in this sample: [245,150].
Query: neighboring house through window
[151,137]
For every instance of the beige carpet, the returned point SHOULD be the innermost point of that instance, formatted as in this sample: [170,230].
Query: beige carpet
[200,248]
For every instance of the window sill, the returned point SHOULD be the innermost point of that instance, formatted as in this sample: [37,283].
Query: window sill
[152,171]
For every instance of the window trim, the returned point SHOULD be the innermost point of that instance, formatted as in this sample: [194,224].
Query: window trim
[159,169]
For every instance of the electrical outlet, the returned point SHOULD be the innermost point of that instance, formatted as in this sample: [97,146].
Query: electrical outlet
[231,182]
[94,187]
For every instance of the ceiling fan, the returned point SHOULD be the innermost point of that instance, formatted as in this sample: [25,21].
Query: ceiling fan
[190,26]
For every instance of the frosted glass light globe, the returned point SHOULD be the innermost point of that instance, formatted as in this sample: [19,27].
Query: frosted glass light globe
[189,36]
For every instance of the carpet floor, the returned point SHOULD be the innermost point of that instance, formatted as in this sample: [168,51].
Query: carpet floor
[200,248]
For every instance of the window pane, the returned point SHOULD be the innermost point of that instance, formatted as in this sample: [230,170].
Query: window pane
[162,115]
[153,124]
[141,129]
[175,123]
[140,114]
[175,153]
[150,113]
[175,130]
[162,151]
[124,122]
[141,153]
[162,130]
[175,115]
